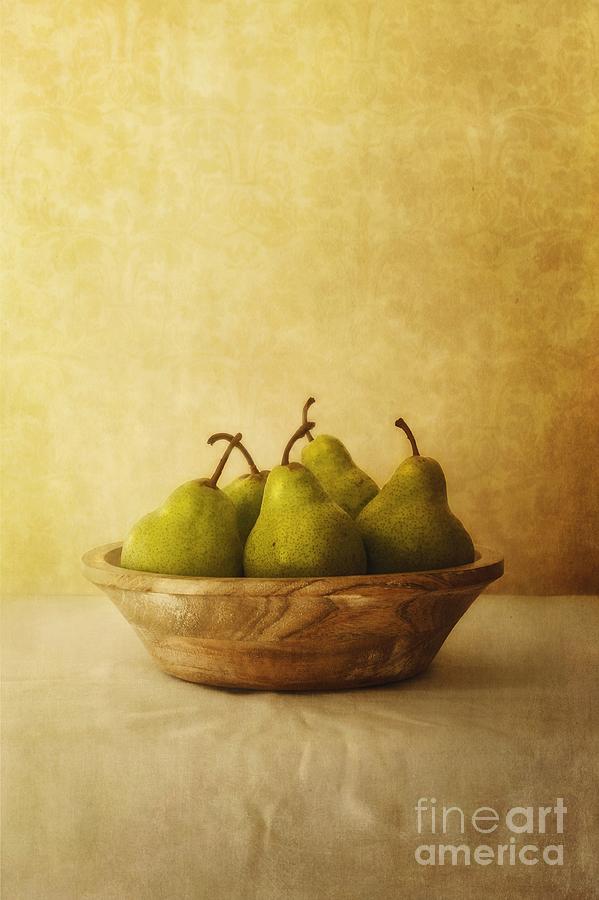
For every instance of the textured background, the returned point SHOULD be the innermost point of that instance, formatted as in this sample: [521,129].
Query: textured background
[216,208]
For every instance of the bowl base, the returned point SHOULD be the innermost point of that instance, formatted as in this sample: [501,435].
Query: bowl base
[295,665]
[191,676]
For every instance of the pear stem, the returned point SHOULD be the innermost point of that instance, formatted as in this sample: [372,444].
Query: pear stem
[223,460]
[223,436]
[401,424]
[307,406]
[301,431]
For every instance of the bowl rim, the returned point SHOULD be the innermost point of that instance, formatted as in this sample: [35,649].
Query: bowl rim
[101,571]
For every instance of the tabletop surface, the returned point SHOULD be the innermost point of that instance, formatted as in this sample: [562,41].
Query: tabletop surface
[121,782]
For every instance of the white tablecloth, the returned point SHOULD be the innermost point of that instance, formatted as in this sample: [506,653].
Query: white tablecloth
[121,782]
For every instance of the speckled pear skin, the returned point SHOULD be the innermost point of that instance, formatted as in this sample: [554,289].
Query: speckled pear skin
[330,461]
[246,493]
[301,532]
[408,526]
[194,533]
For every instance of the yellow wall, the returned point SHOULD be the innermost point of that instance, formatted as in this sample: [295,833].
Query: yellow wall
[216,208]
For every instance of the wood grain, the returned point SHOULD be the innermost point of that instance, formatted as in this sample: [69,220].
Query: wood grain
[292,633]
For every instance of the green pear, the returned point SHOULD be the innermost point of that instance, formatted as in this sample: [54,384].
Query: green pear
[195,532]
[330,461]
[246,491]
[408,526]
[301,532]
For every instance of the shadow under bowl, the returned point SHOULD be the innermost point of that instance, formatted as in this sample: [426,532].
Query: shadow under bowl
[292,634]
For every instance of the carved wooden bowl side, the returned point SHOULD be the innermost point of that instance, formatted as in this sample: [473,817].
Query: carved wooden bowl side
[295,634]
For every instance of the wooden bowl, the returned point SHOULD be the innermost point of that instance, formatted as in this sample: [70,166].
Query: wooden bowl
[292,634]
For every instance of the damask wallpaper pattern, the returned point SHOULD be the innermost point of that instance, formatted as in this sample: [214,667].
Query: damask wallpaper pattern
[215,208]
